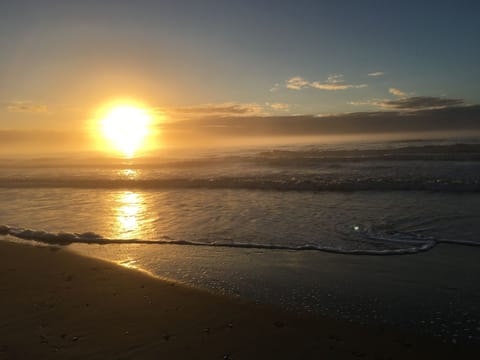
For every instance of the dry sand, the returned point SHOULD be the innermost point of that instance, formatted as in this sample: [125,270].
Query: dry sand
[55,304]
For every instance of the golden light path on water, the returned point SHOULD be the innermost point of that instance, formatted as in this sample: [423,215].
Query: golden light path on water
[132,217]
[131,212]
[128,211]
[129,208]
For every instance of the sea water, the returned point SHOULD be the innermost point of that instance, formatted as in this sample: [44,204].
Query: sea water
[356,199]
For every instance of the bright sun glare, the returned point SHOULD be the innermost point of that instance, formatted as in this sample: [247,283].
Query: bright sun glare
[126,127]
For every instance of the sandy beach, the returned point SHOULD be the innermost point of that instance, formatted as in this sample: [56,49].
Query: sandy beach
[59,305]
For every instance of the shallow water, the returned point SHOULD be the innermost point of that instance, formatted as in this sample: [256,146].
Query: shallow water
[365,198]
[379,223]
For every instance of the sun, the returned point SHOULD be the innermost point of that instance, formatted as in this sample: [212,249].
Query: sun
[126,128]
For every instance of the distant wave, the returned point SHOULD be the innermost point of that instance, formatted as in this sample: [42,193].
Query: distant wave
[286,183]
[288,155]
[414,243]
[446,168]
[451,152]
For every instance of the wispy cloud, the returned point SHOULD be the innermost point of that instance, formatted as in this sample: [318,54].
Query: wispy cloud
[279,106]
[335,79]
[396,92]
[297,83]
[275,87]
[25,106]
[411,103]
[422,103]
[230,109]
[334,82]
[225,108]
[371,102]
[335,87]
[222,110]
[376,73]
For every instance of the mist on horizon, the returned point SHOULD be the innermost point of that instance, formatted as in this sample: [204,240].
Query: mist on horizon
[248,131]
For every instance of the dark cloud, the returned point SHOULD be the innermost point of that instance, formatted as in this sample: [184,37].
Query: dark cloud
[457,118]
[422,102]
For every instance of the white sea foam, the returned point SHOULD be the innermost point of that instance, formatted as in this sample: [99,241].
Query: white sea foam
[65,238]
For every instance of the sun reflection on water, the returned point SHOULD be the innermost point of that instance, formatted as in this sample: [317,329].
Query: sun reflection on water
[129,263]
[128,174]
[130,212]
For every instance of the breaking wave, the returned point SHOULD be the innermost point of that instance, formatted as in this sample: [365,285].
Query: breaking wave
[410,243]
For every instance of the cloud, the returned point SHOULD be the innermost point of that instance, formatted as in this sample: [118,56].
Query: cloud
[279,106]
[334,82]
[376,74]
[397,92]
[422,103]
[411,103]
[275,87]
[224,109]
[227,108]
[25,106]
[335,87]
[457,118]
[335,79]
[297,83]
[372,102]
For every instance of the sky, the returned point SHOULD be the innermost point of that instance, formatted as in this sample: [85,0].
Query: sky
[61,60]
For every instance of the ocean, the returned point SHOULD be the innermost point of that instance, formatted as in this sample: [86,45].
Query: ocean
[277,223]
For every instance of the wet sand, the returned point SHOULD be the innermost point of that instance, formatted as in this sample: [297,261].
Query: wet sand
[434,293]
[55,304]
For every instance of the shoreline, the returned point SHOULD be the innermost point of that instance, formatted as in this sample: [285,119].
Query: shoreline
[431,293]
[58,304]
